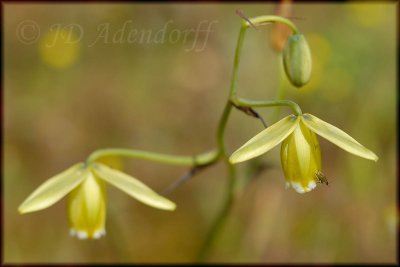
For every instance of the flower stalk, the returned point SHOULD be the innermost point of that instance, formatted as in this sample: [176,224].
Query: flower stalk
[196,160]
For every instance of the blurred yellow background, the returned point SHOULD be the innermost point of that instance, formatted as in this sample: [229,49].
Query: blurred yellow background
[74,82]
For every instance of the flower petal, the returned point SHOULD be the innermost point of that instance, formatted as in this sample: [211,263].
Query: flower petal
[338,137]
[301,159]
[132,187]
[87,208]
[53,189]
[265,140]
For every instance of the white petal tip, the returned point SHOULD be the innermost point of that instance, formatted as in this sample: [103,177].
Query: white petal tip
[81,235]
[99,233]
[78,233]
[299,188]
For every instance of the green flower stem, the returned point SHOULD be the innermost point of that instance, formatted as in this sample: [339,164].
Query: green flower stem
[238,52]
[197,160]
[232,92]
[261,20]
[222,215]
[221,130]
[272,103]
[219,222]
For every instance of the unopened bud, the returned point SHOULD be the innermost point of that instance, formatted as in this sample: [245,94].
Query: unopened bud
[297,60]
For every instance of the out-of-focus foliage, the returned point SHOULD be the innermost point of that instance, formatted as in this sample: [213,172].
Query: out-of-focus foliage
[95,90]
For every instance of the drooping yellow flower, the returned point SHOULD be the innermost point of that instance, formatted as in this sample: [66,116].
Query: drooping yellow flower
[300,152]
[85,186]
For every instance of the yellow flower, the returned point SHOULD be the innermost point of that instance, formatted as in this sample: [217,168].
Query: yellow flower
[300,152]
[85,185]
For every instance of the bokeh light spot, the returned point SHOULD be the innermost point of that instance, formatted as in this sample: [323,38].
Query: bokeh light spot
[59,48]
[320,48]
[367,15]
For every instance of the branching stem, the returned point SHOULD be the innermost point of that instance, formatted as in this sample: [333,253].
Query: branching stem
[200,161]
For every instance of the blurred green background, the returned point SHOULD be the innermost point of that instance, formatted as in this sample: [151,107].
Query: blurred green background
[65,100]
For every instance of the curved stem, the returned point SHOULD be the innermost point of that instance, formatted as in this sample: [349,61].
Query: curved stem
[200,159]
[223,213]
[272,103]
[221,129]
[232,91]
[218,224]
[238,52]
[261,20]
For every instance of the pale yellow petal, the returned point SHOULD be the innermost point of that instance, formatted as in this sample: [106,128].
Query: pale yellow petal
[301,159]
[53,189]
[265,140]
[87,208]
[132,187]
[338,137]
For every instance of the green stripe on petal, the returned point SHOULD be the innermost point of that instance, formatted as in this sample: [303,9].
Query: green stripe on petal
[338,137]
[53,189]
[265,140]
[132,187]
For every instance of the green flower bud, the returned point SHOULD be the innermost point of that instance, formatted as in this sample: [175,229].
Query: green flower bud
[297,60]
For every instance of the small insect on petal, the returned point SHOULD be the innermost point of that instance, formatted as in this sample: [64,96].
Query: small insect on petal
[321,178]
